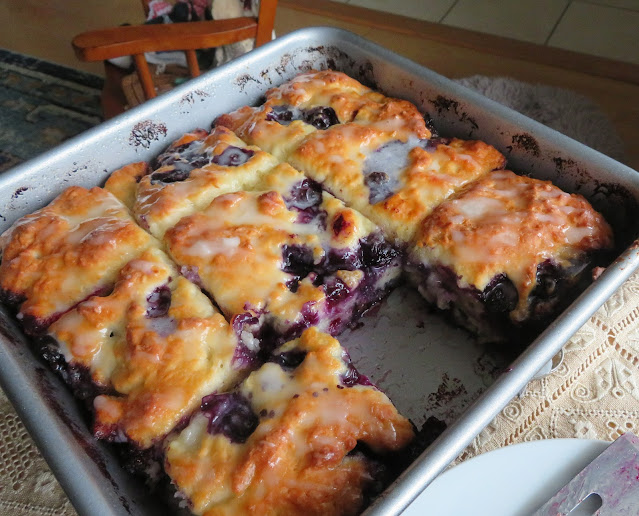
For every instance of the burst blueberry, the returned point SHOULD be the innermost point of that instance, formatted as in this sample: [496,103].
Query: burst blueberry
[233,156]
[231,415]
[159,302]
[174,175]
[321,117]
[500,295]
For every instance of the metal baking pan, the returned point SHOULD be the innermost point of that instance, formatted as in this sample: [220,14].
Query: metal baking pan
[426,366]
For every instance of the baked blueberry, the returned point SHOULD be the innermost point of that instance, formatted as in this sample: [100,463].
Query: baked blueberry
[233,156]
[159,302]
[229,414]
[321,117]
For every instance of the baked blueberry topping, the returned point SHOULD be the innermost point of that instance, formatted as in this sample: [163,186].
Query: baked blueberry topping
[321,117]
[340,224]
[163,326]
[280,114]
[76,375]
[243,321]
[310,317]
[231,415]
[377,252]
[200,162]
[432,144]
[548,280]
[288,359]
[181,156]
[159,302]
[297,260]
[379,186]
[306,198]
[304,195]
[170,155]
[191,273]
[336,290]
[344,259]
[383,166]
[352,376]
[500,295]
[233,156]
[174,175]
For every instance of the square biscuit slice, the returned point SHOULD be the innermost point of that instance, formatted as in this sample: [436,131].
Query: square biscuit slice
[123,182]
[146,353]
[506,251]
[284,258]
[66,252]
[188,175]
[312,101]
[285,441]
[390,172]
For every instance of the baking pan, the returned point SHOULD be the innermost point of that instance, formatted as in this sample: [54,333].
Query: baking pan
[426,366]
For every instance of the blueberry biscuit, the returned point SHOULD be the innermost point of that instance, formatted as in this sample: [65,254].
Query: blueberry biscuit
[506,251]
[304,434]
[284,258]
[65,252]
[149,350]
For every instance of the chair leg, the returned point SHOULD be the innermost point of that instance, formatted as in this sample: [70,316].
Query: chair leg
[191,60]
[145,76]
[113,99]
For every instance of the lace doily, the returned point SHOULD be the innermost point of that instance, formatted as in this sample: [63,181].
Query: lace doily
[27,486]
[594,394]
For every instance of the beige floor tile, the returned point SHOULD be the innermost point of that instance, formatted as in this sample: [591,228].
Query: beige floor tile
[633,5]
[525,20]
[599,30]
[429,10]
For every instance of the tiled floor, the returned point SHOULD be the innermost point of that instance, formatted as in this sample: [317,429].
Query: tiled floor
[605,28]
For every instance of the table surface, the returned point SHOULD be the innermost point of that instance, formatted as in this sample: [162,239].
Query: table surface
[593,394]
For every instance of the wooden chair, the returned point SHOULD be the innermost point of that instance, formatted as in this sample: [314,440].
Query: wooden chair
[104,44]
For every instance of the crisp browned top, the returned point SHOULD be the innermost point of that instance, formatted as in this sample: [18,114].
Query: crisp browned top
[420,175]
[236,244]
[59,255]
[297,461]
[158,364]
[505,223]
[348,98]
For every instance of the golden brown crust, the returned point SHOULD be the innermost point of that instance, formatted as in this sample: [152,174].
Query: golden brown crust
[236,246]
[163,378]
[59,255]
[224,253]
[160,205]
[509,224]
[297,460]
[420,177]
[229,226]
[156,341]
[123,183]
[349,99]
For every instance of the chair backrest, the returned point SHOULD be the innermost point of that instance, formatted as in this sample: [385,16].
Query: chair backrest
[104,44]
